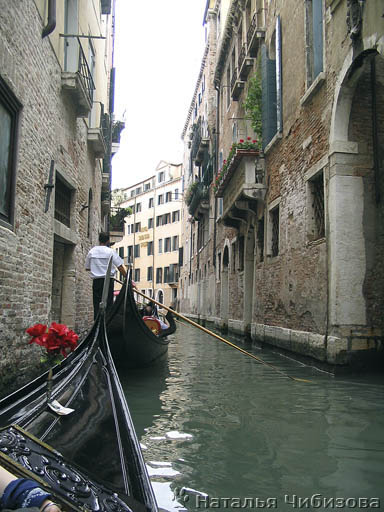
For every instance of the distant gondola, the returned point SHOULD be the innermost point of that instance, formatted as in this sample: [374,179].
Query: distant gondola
[90,459]
[132,342]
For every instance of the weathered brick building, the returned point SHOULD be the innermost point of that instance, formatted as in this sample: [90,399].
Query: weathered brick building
[55,125]
[294,256]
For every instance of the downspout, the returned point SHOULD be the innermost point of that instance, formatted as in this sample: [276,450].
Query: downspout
[375,140]
[217,88]
[51,25]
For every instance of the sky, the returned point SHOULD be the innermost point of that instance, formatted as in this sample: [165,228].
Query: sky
[159,47]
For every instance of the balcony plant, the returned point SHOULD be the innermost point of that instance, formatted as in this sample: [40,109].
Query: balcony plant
[238,148]
[190,192]
[253,105]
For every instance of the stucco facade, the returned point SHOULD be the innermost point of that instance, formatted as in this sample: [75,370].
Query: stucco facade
[296,249]
[56,112]
[151,233]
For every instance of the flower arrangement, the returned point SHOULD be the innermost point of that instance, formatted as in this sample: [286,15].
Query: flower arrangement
[58,340]
[248,144]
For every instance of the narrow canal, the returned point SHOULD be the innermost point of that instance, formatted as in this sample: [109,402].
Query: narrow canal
[215,424]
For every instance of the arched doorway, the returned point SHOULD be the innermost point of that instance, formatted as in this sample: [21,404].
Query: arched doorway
[356,195]
[224,303]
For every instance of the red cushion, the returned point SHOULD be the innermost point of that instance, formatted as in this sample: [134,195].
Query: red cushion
[153,324]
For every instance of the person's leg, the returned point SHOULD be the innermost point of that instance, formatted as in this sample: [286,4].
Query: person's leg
[97,287]
[110,293]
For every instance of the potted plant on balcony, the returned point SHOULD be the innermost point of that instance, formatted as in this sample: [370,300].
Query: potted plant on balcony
[190,192]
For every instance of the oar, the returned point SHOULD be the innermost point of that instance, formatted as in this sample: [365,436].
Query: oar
[204,329]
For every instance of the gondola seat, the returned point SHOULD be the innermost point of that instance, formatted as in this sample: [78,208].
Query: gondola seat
[153,324]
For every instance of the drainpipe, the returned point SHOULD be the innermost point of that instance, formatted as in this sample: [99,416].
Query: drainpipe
[217,88]
[51,25]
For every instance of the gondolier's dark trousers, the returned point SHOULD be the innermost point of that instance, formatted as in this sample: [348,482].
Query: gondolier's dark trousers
[97,288]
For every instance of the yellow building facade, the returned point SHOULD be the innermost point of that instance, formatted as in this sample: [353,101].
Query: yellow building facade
[151,239]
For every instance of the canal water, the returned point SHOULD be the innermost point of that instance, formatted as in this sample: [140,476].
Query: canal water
[218,430]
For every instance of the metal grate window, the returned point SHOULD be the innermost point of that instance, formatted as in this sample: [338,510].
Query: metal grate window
[275,231]
[318,205]
[63,195]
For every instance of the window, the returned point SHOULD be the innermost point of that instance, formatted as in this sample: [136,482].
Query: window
[137,227]
[160,245]
[129,253]
[274,231]
[150,203]
[316,217]
[314,39]
[149,273]
[241,253]
[176,216]
[176,194]
[150,223]
[166,218]
[121,252]
[138,207]
[128,229]
[175,243]
[260,240]
[173,273]
[161,176]
[272,87]
[167,244]
[63,196]
[233,253]
[228,85]
[166,274]
[137,251]
[132,193]
[159,275]
[168,197]
[160,199]
[90,196]
[137,275]
[138,190]
[147,186]
[150,248]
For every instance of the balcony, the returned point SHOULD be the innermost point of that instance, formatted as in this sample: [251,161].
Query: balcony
[241,186]
[117,128]
[198,199]
[245,63]
[255,35]
[237,85]
[98,130]
[77,79]
[200,143]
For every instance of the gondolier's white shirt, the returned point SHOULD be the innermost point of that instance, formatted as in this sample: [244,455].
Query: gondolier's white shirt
[98,258]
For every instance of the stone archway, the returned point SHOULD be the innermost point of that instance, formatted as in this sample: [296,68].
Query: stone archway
[355,217]
[224,302]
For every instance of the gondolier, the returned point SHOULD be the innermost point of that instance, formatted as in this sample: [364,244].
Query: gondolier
[97,263]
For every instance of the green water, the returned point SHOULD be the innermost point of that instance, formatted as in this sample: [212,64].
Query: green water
[216,424]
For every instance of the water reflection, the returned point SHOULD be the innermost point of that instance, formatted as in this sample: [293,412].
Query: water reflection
[216,423]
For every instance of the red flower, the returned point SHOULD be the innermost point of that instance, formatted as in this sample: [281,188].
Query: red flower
[225,161]
[254,141]
[37,330]
[58,340]
[248,138]
[241,140]
[59,329]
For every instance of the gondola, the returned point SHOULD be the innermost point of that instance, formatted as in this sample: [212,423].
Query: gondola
[91,458]
[132,342]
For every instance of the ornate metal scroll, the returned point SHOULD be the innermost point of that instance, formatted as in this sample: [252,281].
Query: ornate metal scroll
[27,457]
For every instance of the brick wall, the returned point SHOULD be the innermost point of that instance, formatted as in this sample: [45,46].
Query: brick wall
[48,130]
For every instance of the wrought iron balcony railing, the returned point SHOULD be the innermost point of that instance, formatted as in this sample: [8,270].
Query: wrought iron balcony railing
[85,73]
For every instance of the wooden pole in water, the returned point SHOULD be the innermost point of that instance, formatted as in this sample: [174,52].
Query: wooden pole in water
[207,331]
